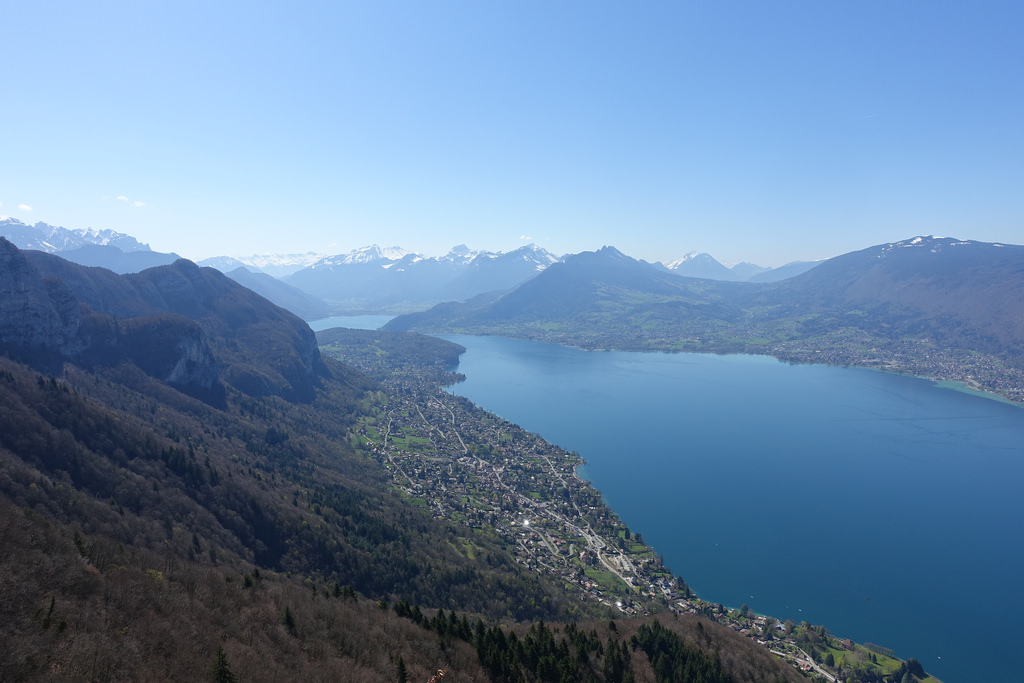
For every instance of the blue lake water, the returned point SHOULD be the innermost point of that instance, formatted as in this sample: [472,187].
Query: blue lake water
[884,507]
[355,322]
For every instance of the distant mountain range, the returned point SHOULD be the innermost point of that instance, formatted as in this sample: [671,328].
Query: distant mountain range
[375,279]
[108,249]
[275,265]
[706,266]
[939,307]
[52,239]
[370,279]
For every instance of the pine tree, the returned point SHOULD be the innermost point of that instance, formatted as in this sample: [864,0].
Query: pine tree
[288,619]
[220,672]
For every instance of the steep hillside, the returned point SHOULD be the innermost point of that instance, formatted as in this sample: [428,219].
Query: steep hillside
[143,528]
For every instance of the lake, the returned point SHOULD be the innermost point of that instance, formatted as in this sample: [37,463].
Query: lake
[355,322]
[884,507]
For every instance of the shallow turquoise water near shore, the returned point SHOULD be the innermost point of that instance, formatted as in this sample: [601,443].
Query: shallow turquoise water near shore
[884,507]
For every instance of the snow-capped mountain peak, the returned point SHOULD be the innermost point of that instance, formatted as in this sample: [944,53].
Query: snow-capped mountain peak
[367,279]
[375,253]
[460,253]
[51,238]
[542,258]
[364,255]
[674,265]
[261,261]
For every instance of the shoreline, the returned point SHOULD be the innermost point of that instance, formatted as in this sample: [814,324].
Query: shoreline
[966,388]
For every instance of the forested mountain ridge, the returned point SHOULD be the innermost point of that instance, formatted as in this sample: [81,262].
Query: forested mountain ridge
[938,307]
[154,531]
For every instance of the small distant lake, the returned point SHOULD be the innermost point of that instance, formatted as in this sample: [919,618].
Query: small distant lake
[884,507]
[355,322]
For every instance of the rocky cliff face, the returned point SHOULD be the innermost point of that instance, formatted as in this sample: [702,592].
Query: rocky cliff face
[264,349]
[43,322]
[33,316]
[188,326]
[195,364]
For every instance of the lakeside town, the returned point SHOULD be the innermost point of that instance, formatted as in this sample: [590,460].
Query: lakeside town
[977,372]
[476,469]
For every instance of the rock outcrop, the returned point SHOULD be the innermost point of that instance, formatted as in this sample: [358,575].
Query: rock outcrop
[33,316]
[190,327]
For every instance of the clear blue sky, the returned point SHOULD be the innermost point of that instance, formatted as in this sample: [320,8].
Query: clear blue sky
[755,131]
